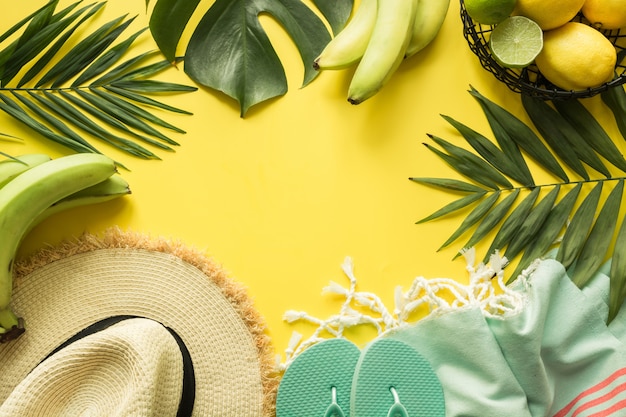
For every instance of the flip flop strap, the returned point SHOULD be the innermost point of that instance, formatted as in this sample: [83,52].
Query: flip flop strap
[333,409]
[397,409]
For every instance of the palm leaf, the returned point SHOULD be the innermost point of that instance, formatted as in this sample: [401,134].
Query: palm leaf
[578,214]
[91,92]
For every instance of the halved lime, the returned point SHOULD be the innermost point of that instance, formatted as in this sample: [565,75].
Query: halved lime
[516,41]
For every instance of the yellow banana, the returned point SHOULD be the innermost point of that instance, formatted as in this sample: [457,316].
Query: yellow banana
[10,168]
[385,50]
[28,195]
[429,17]
[347,48]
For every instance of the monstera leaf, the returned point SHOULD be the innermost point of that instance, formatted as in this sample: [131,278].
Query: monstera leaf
[91,91]
[229,50]
[578,218]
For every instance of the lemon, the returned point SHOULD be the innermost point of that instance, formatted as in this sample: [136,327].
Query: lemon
[605,14]
[516,41]
[576,56]
[489,12]
[549,14]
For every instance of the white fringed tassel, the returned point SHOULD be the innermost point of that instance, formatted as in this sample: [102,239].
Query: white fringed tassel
[486,290]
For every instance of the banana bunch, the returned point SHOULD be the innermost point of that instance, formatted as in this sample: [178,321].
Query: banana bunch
[378,37]
[35,186]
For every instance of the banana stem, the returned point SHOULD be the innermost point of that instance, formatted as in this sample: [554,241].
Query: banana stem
[11,327]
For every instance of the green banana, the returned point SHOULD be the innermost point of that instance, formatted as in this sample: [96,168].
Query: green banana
[10,168]
[111,188]
[25,198]
[429,18]
[385,50]
[347,48]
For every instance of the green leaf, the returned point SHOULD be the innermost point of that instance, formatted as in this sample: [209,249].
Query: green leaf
[454,206]
[507,144]
[145,100]
[617,274]
[335,12]
[563,138]
[28,49]
[615,99]
[168,21]
[55,113]
[549,231]
[229,50]
[597,245]
[120,114]
[576,233]
[464,168]
[146,71]
[104,117]
[47,57]
[532,224]
[512,223]
[106,60]
[46,9]
[52,121]
[491,220]
[521,134]
[123,69]
[476,164]
[88,49]
[152,86]
[478,213]
[491,153]
[589,128]
[131,109]
[77,118]
[11,108]
[449,184]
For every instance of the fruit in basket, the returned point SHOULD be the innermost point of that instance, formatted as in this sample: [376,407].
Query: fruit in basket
[605,14]
[489,12]
[516,41]
[576,56]
[549,14]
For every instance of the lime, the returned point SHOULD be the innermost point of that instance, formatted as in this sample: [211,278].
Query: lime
[516,41]
[489,12]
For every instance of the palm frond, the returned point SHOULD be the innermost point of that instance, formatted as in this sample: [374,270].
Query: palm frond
[90,92]
[577,215]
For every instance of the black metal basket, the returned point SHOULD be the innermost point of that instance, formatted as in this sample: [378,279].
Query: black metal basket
[529,80]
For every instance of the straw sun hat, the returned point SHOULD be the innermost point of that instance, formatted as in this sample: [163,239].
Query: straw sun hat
[127,325]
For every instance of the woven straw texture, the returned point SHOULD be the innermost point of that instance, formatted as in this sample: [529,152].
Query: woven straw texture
[64,289]
[133,369]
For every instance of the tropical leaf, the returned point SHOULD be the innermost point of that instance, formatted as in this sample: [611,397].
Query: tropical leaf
[229,50]
[91,91]
[578,214]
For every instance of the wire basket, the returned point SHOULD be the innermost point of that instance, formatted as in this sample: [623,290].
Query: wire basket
[529,80]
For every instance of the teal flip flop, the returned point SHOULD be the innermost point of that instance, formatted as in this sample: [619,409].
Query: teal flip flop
[393,379]
[318,381]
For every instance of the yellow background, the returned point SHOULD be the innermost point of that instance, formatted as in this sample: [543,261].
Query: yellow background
[279,198]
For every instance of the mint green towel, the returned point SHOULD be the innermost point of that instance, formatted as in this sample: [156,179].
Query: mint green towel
[555,356]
